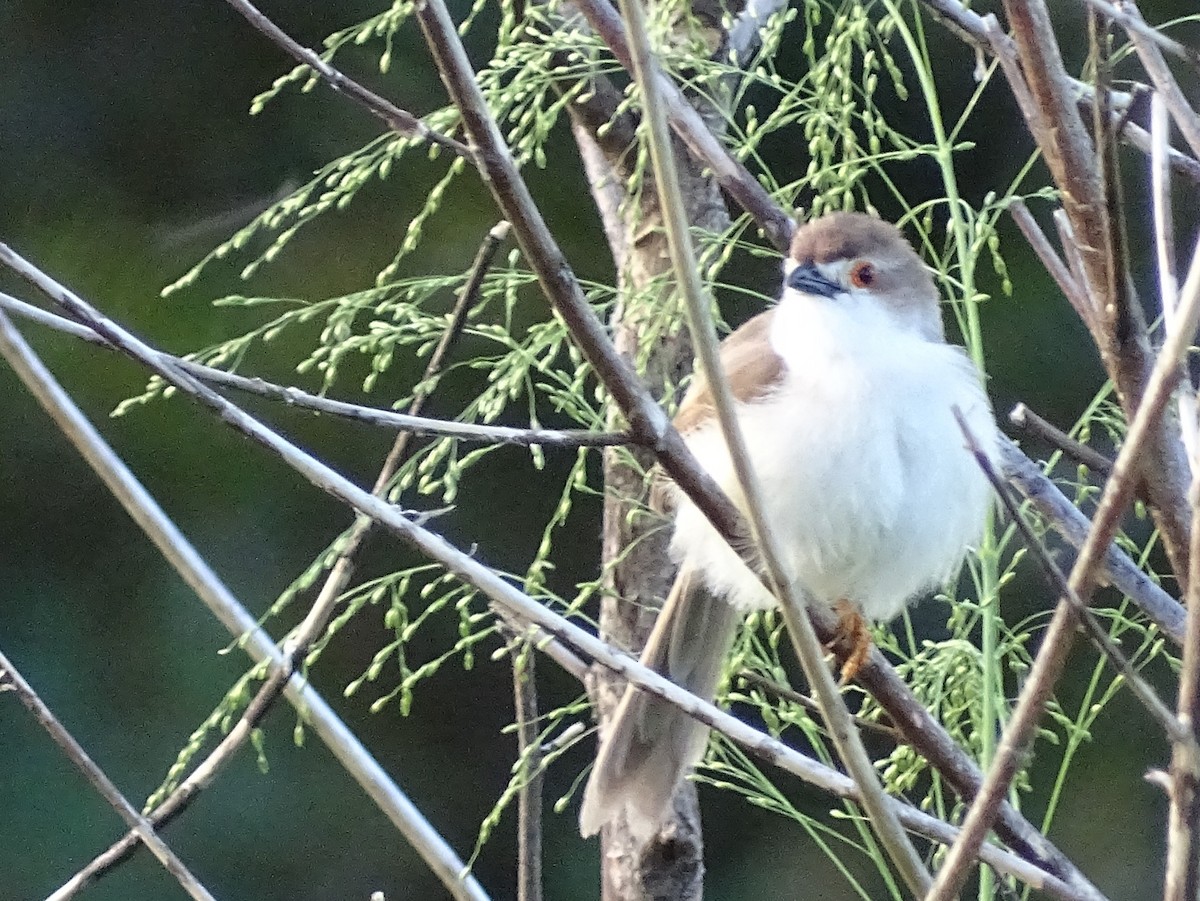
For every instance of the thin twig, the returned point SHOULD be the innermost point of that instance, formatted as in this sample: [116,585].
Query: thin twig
[297,644]
[303,400]
[1058,581]
[841,727]
[1135,24]
[790,694]
[1062,276]
[971,27]
[12,681]
[1028,421]
[1166,86]
[396,119]
[1056,876]
[1168,278]
[529,799]
[1067,519]
[730,174]
[196,573]
[1057,640]
[1182,880]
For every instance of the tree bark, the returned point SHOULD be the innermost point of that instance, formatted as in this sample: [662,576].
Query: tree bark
[671,865]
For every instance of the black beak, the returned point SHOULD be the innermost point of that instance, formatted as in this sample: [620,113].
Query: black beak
[806,278]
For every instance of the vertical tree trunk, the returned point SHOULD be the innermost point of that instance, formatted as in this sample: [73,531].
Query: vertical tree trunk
[671,866]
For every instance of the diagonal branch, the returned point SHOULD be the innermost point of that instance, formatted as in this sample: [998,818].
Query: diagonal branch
[199,576]
[409,423]
[11,680]
[396,119]
[297,645]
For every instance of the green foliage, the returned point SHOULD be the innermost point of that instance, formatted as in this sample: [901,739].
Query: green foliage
[524,367]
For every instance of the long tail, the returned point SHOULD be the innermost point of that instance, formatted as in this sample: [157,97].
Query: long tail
[651,744]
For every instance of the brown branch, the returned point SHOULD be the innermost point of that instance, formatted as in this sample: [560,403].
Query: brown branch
[1058,581]
[398,120]
[529,800]
[1028,421]
[1127,16]
[298,643]
[12,681]
[1118,327]
[1182,881]
[1063,276]
[1058,638]
[687,123]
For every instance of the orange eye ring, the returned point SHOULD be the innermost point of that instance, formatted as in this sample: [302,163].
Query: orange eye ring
[862,275]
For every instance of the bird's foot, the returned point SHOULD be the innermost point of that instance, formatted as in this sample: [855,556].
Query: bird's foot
[853,637]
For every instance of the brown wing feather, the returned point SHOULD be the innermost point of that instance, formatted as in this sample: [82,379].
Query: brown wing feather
[752,367]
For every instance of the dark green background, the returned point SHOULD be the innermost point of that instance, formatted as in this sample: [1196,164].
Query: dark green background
[125,153]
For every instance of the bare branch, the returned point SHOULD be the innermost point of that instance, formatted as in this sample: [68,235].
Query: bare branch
[529,800]
[1167,87]
[1025,419]
[1182,882]
[732,176]
[1133,23]
[208,586]
[1066,519]
[1057,640]
[374,416]
[1062,276]
[12,681]
[396,119]
[1058,581]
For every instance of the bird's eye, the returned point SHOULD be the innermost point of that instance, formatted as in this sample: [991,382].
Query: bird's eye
[862,275]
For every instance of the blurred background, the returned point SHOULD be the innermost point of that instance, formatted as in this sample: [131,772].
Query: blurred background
[127,154]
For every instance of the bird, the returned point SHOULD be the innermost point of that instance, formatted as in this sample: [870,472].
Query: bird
[846,393]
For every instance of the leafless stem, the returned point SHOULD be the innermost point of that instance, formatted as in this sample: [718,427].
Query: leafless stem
[1066,519]
[1026,420]
[1182,882]
[1054,265]
[730,174]
[1058,581]
[1150,54]
[529,799]
[1057,640]
[1135,24]
[12,681]
[396,119]
[196,573]
[295,397]
[300,640]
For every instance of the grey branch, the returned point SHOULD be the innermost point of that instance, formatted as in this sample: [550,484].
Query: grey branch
[1058,581]
[1066,519]
[396,119]
[1026,420]
[301,638]
[304,400]
[196,573]
[12,681]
